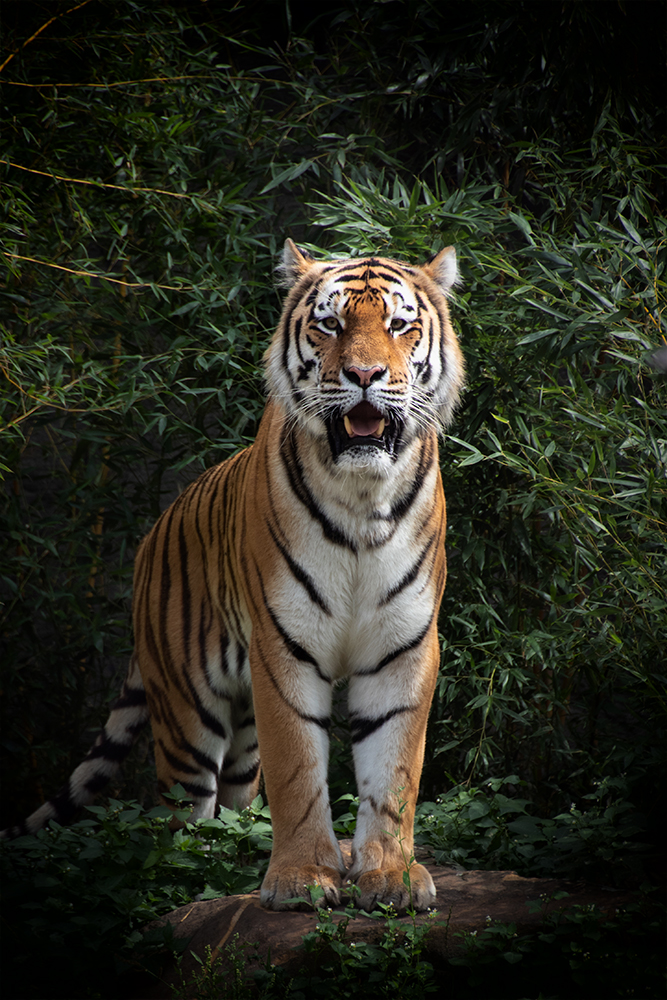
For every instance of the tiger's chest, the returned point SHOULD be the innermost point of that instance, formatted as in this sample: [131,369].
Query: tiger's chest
[352,575]
[362,621]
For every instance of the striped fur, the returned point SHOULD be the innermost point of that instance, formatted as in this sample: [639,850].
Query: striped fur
[314,555]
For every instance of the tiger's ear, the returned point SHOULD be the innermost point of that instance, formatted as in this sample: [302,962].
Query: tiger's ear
[442,269]
[294,264]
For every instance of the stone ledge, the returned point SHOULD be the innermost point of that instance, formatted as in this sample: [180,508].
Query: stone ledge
[466,901]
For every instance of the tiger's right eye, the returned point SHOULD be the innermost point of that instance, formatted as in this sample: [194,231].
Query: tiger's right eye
[331,323]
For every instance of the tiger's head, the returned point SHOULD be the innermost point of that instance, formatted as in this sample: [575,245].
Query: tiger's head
[365,356]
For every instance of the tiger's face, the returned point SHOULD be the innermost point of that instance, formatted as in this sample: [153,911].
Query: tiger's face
[365,356]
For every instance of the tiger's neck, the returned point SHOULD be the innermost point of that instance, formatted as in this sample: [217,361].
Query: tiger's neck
[361,506]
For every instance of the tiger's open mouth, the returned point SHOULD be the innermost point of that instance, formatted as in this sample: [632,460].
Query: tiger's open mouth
[363,426]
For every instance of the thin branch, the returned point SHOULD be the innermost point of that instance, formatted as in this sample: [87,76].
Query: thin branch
[39,31]
[97,184]
[102,277]
[108,86]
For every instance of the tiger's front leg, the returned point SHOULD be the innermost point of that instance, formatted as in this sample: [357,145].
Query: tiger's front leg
[292,711]
[388,716]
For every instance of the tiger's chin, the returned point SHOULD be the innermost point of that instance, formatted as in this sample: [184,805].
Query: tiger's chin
[365,460]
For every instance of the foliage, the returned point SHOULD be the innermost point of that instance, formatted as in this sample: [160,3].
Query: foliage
[484,828]
[395,964]
[586,952]
[89,889]
[154,158]
[225,974]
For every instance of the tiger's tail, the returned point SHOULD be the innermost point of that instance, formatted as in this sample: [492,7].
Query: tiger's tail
[127,718]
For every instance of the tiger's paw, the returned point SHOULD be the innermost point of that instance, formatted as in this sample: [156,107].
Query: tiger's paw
[290,888]
[391,887]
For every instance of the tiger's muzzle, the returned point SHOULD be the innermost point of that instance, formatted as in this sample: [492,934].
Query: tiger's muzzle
[364,426]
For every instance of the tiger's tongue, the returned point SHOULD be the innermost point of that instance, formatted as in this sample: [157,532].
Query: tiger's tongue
[364,421]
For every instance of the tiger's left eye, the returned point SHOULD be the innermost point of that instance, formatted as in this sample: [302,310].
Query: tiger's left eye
[398,325]
[330,322]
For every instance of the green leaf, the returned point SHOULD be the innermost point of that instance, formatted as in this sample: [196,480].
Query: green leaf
[288,174]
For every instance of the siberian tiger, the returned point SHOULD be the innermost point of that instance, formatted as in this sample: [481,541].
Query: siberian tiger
[315,554]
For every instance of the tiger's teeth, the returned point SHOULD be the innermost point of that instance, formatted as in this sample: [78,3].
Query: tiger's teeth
[348,425]
[379,432]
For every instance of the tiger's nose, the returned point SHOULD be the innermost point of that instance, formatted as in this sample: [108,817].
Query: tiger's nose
[364,376]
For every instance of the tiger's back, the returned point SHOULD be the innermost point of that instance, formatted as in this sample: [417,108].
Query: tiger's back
[314,555]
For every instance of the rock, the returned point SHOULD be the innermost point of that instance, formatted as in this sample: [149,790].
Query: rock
[466,901]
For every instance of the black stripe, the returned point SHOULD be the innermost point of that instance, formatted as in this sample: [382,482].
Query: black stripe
[401,507]
[224,646]
[203,629]
[297,651]
[207,718]
[230,762]
[358,272]
[226,504]
[297,342]
[392,814]
[286,338]
[95,784]
[165,663]
[294,472]
[199,791]
[153,648]
[323,723]
[300,574]
[202,635]
[293,647]
[241,779]
[204,761]
[363,727]
[409,577]
[64,805]
[185,590]
[110,750]
[308,810]
[443,344]
[396,653]
[176,762]
[136,727]
[130,698]
[428,368]
[383,810]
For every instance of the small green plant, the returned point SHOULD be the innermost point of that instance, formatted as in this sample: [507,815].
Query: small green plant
[483,827]
[578,953]
[90,888]
[225,975]
[396,962]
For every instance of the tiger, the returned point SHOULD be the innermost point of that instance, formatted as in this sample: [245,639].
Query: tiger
[313,556]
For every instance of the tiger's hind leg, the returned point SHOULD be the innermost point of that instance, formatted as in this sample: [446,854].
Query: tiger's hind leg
[204,730]
[191,743]
[239,778]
